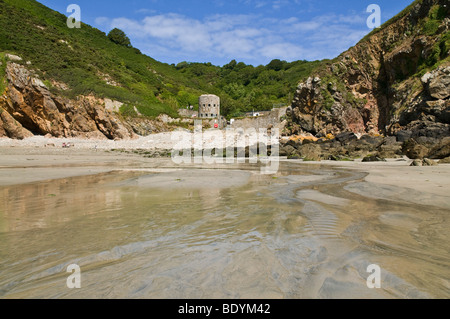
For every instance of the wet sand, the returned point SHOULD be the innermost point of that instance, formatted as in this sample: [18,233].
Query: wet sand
[31,164]
[147,228]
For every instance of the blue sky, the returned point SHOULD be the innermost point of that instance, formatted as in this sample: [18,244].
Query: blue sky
[251,31]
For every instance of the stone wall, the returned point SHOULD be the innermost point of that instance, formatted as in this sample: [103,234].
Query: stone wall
[187,113]
[271,118]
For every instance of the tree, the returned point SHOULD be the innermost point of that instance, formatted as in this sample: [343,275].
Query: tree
[276,65]
[182,65]
[119,37]
[235,90]
[231,65]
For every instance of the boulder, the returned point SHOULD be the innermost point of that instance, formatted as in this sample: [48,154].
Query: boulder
[287,150]
[389,140]
[346,137]
[403,136]
[440,150]
[2,130]
[11,128]
[373,158]
[417,162]
[306,122]
[310,152]
[414,150]
[366,144]
[440,109]
[339,158]
[295,143]
[437,83]
[428,162]
[429,128]
[13,57]
[393,150]
[375,141]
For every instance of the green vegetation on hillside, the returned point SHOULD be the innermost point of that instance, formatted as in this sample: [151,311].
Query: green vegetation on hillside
[89,62]
[245,87]
[2,72]
[399,16]
[119,37]
[428,26]
[84,59]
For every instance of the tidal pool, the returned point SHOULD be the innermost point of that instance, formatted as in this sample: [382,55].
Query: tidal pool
[310,231]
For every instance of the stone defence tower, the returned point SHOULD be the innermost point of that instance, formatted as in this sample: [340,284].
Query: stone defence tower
[208,106]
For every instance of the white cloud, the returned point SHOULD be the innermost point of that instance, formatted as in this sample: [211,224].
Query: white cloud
[145,11]
[256,3]
[282,51]
[277,4]
[102,21]
[248,38]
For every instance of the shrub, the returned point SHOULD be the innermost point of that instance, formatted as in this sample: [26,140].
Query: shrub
[430,27]
[119,37]
[127,110]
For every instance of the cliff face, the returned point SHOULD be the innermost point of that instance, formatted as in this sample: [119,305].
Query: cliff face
[395,79]
[28,108]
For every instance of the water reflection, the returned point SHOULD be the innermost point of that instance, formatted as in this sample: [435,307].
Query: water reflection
[304,233]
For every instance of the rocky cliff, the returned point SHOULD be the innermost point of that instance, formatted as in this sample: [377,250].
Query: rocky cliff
[394,81]
[28,108]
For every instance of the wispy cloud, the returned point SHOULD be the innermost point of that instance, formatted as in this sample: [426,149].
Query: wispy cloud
[249,38]
[145,11]
[274,4]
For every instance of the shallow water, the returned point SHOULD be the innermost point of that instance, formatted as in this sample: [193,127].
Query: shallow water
[308,232]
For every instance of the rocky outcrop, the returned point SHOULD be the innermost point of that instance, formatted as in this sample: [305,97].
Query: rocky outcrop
[374,87]
[9,127]
[144,126]
[27,108]
[415,150]
[437,83]
[312,114]
[424,162]
[345,146]
[371,148]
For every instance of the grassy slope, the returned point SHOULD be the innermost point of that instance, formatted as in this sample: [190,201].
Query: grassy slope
[428,27]
[400,15]
[34,32]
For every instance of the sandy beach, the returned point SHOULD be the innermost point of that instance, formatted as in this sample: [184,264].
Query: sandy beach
[144,227]
[49,160]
